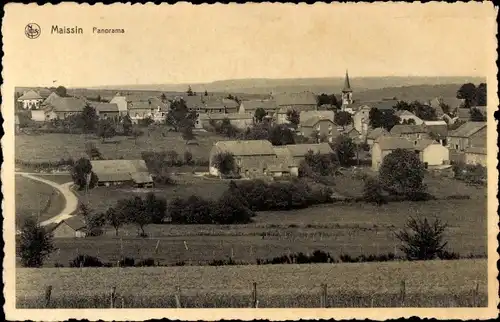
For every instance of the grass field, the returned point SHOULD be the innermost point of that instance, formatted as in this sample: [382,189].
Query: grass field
[428,284]
[33,197]
[57,146]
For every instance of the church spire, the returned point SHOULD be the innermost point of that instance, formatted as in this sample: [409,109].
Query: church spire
[347,83]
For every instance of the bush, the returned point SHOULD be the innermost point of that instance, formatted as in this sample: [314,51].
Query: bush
[373,193]
[35,244]
[422,240]
[126,262]
[188,158]
[473,174]
[85,261]
[148,262]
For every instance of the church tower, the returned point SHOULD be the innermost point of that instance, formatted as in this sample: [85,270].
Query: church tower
[347,91]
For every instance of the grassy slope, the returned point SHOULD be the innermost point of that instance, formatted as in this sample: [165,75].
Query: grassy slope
[33,196]
[432,283]
[57,146]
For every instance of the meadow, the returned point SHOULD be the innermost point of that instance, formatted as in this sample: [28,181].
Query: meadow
[58,146]
[427,284]
[35,198]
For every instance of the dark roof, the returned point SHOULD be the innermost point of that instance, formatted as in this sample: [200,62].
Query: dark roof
[69,104]
[393,143]
[467,129]
[75,222]
[407,129]
[422,144]
[121,170]
[312,121]
[106,107]
[246,147]
[438,129]
[51,99]
[252,105]
[302,98]
[222,116]
[347,83]
[376,133]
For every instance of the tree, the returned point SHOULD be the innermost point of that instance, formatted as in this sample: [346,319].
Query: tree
[206,93]
[345,150]
[467,92]
[179,116]
[224,162]
[373,192]
[61,91]
[325,99]
[258,132]
[476,115]
[115,218]
[422,240]
[319,164]
[188,157]
[423,111]
[92,151]
[106,129]
[386,118]
[230,210]
[260,113]
[35,244]
[136,133]
[135,212]
[88,119]
[343,118]
[190,92]
[172,157]
[225,128]
[402,105]
[402,173]
[293,117]
[163,98]
[127,125]
[481,95]
[82,172]
[94,223]
[280,134]
[155,207]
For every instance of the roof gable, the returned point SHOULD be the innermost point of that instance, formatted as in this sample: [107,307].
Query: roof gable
[393,143]
[69,104]
[30,95]
[407,129]
[246,147]
[467,129]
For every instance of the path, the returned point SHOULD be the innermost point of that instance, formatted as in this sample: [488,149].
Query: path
[71,200]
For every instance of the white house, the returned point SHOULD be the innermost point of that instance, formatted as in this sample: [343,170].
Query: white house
[432,153]
[30,100]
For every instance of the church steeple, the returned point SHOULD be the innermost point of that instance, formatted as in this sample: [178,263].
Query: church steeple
[347,91]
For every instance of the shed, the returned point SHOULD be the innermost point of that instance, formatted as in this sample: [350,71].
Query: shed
[70,228]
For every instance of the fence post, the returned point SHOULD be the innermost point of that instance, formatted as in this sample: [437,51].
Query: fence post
[178,298]
[254,295]
[112,297]
[475,294]
[123,302]
[48,293]
[324,296]
[402,293]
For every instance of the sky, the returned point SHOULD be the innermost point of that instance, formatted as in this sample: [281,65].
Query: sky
[192,44]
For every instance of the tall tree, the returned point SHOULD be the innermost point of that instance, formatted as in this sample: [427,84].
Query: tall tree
[81,172]
[89,119]
[179,116]
[206,93]
[190,92]
[127,125]
[115,218]
[260,113]
[155,207]
[224,162]
[467,92]
[293,117]
[343,118]
[35,244]
[61,91]
[281,135]
[106,129]
[345,149]
[385,118]
[481,95]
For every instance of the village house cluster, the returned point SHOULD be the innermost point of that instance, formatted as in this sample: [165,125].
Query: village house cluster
[432,141]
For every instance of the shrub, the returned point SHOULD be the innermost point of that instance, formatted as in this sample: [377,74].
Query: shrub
[148,262]
[224,162]
[373,193]
[188,158]
[35,244]
[127,262]
[474,174]
[85,261]
[422,240]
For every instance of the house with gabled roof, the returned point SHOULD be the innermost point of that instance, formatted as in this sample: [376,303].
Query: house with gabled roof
[321,125]
[118,172]
[385,145]
[432,153]
[407,117]
[374,134]
[469,134]
[250,106]
[476,156]
[72,227]
[303,101]
[410,132]
[30,100]
[252,157]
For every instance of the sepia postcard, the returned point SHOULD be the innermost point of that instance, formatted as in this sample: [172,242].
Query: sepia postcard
[250,161]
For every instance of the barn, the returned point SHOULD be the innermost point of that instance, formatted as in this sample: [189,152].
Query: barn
[117,172]
[73,227]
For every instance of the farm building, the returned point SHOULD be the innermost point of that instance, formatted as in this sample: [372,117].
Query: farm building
[61,108]
[385,145]
[51,99]
[476,155]
[116,172]
[432,153]
[303,101]
[375,134]
[319,125]
[107,110]
[410,132]
[73,227]
[408,117]
[469,134]
[286,166]
[250,106]
[30,100]
[210,104]
[121,102]
[298,152]
[240,121]
[252,157]
[438,130]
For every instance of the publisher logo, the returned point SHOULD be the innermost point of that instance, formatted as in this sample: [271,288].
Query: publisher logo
[32,30]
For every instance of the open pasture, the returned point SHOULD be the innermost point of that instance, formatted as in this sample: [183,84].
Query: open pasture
[57,146]
[35,198]
[427,284]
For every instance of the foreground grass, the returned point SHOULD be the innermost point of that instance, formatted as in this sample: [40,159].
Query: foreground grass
[35,198]
[428,284]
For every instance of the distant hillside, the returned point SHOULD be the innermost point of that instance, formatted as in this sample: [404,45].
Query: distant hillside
[410,93]
[316,85]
